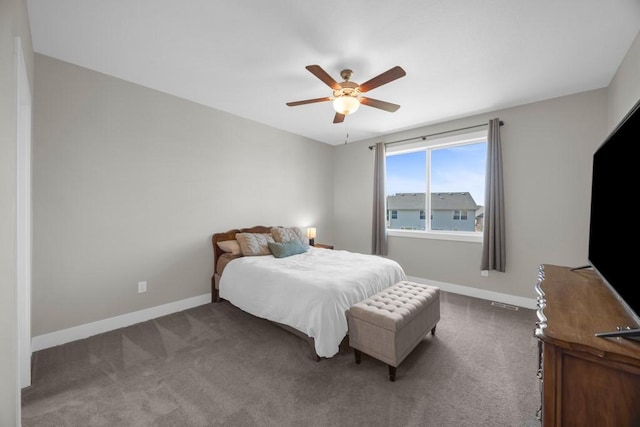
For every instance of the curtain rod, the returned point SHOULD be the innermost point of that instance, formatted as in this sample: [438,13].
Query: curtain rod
[423,137]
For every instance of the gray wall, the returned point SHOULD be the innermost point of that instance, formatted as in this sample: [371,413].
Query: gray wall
[624,89]
[13,22]
[129,184]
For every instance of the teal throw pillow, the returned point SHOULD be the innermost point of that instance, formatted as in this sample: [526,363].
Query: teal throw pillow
[285,249]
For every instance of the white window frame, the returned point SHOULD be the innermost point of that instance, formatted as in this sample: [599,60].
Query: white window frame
[453,140]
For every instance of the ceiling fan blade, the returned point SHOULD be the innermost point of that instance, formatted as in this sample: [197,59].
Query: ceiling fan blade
[338,118]
[308,101]
[384,78]
[317,71]
[387,106]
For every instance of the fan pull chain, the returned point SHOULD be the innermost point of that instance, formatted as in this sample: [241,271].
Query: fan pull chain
[346,139]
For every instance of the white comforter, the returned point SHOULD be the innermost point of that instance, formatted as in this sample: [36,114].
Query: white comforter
[310,291]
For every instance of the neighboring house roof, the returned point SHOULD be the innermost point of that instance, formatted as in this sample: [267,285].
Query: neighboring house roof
[439,201]
[406,201]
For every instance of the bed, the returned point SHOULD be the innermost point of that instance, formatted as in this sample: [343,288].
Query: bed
[307,293]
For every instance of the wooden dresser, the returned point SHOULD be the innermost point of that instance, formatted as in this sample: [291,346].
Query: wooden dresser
[585,380]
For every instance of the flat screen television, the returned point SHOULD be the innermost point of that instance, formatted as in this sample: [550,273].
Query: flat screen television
[616,173]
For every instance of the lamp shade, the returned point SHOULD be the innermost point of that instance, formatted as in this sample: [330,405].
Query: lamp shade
[346,104]
[311,233]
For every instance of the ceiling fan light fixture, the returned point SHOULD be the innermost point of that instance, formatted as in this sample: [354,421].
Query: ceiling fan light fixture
[346,104]
[346,97]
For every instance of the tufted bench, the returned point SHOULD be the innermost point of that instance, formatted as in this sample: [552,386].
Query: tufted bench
[391,323]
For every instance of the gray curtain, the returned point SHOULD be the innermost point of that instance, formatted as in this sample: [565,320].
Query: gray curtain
[379,234]
[493,246]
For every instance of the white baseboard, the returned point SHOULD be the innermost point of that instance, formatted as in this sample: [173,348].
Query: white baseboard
[479,293]
[89,329]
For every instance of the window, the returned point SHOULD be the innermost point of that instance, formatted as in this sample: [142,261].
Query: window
[445,177]
[460,215]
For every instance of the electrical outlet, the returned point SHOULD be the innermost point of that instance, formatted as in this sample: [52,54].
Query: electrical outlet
[142,287]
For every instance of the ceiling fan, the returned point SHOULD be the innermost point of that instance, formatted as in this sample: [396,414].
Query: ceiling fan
[347,95]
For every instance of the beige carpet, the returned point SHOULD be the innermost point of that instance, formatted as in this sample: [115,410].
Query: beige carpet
[215,365]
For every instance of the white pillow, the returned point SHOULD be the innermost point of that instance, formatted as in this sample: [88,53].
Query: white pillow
[231,246]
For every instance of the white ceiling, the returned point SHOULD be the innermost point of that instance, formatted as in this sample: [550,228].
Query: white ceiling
[248,57]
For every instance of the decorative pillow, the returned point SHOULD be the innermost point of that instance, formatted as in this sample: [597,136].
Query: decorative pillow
[287,234]
[285,249]
[231,246]
[254,243]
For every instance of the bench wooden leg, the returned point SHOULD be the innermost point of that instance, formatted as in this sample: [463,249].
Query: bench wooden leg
[392,373]
[358,355]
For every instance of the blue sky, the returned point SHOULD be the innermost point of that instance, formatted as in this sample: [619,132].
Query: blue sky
[454,169]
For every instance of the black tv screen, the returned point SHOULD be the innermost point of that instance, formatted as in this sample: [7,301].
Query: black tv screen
[612,225]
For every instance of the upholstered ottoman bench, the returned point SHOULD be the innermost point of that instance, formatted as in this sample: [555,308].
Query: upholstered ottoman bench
[391,323]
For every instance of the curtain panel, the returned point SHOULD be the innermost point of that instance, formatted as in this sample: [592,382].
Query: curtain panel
[379,226]
[493,246]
